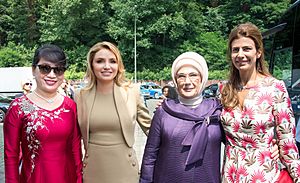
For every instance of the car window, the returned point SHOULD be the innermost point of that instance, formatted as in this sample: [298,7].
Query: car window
[156,87]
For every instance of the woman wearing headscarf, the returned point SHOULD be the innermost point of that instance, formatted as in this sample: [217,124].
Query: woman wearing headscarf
[185,136]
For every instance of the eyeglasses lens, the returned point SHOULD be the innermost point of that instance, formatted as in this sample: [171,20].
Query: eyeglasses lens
[28,84]
[46,69]
[192,76]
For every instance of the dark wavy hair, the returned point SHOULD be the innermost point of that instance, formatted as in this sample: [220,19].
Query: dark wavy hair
[171,92]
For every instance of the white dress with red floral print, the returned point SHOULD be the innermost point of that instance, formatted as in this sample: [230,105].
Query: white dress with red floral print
[266,113]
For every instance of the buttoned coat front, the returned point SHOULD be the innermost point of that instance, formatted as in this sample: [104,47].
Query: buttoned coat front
[130,109]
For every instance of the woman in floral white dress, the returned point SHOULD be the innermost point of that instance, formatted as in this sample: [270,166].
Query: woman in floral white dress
[45,124]
[257,109]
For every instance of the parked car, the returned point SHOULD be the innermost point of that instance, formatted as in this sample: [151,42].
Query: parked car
[210,91]
[144,92]
[153,89]
[4,104]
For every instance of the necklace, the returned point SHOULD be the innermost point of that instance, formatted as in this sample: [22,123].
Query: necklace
[241,87]
[49,101]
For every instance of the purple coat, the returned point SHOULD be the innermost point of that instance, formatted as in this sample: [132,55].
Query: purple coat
[184,144]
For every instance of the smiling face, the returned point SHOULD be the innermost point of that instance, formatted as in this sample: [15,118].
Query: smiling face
[47,83]
[244,54]
[188,82]
[105,66]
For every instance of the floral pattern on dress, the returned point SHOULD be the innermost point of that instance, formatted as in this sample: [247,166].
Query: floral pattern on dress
[37,117]
[266,114]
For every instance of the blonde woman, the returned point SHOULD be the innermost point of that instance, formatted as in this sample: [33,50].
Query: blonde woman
[108,109]
[26,87]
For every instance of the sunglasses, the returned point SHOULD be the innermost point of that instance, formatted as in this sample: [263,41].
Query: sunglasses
[27,84]
[46,69]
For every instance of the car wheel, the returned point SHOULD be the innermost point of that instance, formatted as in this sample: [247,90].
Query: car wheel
[2,114]
[156,96]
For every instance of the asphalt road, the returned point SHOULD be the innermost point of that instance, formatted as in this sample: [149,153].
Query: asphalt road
[140,137]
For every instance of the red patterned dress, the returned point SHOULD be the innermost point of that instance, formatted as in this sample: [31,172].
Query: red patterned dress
[266,113]
[50,142]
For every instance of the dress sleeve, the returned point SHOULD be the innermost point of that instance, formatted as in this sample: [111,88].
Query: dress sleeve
[76,147]
[151,149]
[12,138]
[143,117]
[285,130]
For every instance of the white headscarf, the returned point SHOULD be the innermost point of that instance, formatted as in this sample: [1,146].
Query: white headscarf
[197,61]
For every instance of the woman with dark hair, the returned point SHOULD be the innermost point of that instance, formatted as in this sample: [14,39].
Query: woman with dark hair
[256,109]
[169,92]
[44,123]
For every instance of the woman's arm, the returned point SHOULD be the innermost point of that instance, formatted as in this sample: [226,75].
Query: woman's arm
[285,130]
[76,146]
[12,139]
[151,149]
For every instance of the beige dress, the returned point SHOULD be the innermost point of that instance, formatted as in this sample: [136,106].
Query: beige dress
[107,143]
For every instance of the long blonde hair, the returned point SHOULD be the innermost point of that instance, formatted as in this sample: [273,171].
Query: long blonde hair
[120,78]
[229,97]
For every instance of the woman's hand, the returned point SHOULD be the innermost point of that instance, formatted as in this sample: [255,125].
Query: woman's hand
[158,104]
[275,150]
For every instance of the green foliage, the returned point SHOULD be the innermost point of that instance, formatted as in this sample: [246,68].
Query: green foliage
[23,15]
[77,57]
[72,74]
[73,22]
[15,56]
[157,75]
[218,74]
[164,29]
[211,46]
[264,14]
[214,21]
[165,75]
[283,63]
[5,21]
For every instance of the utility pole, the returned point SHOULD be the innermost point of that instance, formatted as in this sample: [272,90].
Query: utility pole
[135,44]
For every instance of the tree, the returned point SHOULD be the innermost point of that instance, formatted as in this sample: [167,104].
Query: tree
[23,16]
[15,56]
[162,26]
[263,14]
[74,22]
[5,22]
[165,29]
